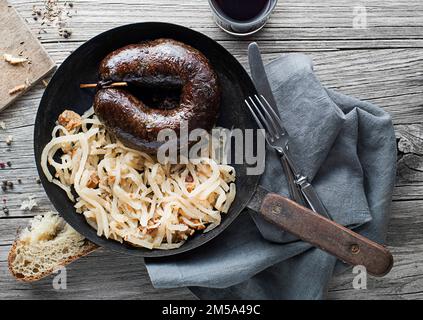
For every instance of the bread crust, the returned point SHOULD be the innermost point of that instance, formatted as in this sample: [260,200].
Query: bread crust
[88,247]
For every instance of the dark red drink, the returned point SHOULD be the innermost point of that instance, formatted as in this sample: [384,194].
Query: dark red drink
[242,10]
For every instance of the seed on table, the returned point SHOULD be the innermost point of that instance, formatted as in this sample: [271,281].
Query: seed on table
[9,163]
[38,180]
[10,184]
[9,140]
[6,210]
[3,187]
[66,33]
[19,181]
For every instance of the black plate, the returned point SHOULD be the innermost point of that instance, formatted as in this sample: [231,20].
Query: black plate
[81,67]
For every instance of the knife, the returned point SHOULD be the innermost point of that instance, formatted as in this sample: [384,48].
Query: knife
[307,189]
[258,74]
[317,229]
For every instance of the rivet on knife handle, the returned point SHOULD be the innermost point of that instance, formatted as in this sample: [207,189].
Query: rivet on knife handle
[327,235]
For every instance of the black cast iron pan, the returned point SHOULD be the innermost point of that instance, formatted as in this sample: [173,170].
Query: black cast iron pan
[81,66]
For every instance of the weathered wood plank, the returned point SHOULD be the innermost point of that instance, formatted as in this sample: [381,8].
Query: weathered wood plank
[412,191]
[288,13]
[305,27]
[405,281]
[102,275]
[410,162]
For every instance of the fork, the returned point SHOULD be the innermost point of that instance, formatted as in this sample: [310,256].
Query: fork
[267,119]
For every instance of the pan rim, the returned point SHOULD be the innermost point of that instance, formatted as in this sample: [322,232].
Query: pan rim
[101,241]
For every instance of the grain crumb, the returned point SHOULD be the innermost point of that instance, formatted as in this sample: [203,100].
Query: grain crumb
[28,204]
[9,140]
[14,60]
[18,88]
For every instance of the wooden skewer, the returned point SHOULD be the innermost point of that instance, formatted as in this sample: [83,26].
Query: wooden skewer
[94,85]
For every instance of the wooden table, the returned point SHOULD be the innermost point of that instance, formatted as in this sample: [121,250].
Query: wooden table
[382,64]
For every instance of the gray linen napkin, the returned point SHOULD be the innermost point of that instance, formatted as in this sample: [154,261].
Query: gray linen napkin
[347,147]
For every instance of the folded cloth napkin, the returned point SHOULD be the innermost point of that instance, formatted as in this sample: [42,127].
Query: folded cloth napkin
[347,147]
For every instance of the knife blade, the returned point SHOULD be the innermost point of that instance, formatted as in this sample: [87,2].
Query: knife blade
[258,73]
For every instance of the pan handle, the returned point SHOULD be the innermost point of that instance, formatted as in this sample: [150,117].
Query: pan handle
[327,235]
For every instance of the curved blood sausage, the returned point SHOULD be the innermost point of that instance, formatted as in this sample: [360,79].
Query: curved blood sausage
[161,63]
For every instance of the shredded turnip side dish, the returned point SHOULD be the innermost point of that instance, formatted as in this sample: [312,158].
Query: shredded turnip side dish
[126,195]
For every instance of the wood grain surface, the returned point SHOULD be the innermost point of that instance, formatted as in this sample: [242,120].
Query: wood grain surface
[16,39]
[382,64]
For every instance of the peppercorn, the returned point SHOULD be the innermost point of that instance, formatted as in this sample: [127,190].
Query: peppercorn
[65,33]
[9,163]
[19,181]
[5,210]
[38,180]
[10,184]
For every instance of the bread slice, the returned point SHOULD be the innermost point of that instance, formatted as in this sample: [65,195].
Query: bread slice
[49,242]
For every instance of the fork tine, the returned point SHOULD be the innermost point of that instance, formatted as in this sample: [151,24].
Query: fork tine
[266,124]
[257,119]
[270,119]
[274,115]
[254,115]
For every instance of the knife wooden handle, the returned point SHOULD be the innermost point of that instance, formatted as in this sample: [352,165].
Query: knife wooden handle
[327,235]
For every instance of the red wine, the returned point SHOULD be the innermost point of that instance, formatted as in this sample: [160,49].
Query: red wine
[242,10]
